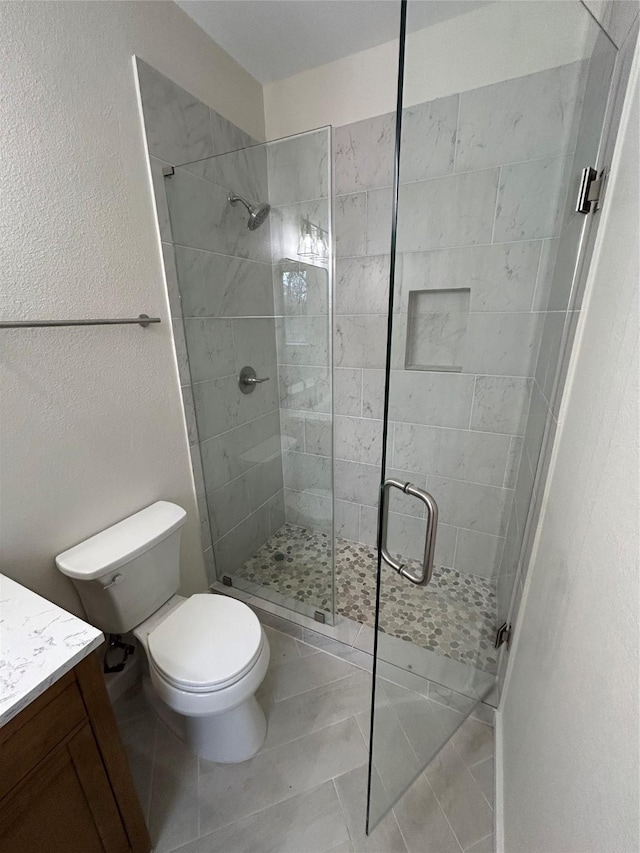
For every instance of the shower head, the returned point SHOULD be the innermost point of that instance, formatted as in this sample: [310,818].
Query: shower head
[257,212]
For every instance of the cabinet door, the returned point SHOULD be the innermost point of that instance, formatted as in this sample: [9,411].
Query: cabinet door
[65,805]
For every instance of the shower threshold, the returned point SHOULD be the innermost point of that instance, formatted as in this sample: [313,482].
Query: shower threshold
[455,616]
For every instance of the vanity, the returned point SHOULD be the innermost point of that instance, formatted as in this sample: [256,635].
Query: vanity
[65,784]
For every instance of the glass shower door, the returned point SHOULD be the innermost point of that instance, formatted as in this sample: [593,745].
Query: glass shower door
[485,245]
[252,236]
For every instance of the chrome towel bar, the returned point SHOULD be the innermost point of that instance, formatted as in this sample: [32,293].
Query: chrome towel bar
[141,320]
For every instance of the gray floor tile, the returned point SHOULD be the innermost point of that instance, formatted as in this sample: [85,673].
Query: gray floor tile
[298,676]
[422,822]
[485,845]
[283,647]
[459,797]
[306,823]
[235,791]
[131,704]
[473,741]
[484,774]
[341,650]
[386,837]
[139,739]
[316,709]
[345,847]
[173,812]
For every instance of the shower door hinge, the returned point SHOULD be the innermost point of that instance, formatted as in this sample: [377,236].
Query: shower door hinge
[168,172]
[590,192]
[503,635]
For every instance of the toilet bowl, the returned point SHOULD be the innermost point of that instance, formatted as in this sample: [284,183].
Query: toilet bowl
[206,655]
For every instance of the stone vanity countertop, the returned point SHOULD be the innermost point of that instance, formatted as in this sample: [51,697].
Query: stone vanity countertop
[39,643]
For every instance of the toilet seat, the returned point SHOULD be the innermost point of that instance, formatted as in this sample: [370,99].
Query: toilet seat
[206,644]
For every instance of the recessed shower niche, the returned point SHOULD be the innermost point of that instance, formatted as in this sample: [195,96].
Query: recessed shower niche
[437,329]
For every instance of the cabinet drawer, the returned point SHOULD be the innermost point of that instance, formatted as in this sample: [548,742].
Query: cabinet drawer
[26,742]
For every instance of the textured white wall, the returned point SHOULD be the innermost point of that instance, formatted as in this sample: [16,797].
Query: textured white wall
[490,44]
[570,714]
[92,427]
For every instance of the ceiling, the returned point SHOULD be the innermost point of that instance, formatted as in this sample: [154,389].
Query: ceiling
[274,39]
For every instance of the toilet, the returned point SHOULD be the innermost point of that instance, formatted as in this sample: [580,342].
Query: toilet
[206,654]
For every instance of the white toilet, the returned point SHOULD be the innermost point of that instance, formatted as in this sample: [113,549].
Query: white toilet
[207,654]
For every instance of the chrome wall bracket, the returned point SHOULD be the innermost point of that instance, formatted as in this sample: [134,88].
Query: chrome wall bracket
[503,635]
[590,192]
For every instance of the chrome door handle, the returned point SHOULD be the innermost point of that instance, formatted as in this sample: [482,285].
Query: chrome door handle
[248,380]
[430,540]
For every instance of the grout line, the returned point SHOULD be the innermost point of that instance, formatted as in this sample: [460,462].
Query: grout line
[446,817]
[495,208]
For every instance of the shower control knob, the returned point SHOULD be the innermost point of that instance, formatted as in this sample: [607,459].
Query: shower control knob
[248,380]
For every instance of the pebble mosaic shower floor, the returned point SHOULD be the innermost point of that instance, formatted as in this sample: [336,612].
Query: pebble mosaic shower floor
[454,616]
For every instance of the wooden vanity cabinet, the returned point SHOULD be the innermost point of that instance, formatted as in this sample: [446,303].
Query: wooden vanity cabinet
[65,785]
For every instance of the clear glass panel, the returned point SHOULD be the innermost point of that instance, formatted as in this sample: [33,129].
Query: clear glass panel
[492,145]
[253,242]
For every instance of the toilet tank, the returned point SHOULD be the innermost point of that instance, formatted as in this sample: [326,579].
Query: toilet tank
[126,572]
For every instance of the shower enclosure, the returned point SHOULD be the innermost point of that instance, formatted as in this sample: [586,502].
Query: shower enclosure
[372,342]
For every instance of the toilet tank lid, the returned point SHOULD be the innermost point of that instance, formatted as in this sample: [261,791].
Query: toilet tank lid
[121,542]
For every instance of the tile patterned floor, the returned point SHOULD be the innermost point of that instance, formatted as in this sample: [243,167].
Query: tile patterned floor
[454,616]
[305,790]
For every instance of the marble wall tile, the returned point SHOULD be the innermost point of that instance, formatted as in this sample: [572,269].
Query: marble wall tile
[373,386]
[304,472]
[501,404]
[264,481]
[177,124]
[300,290]
[476,507]
[226,136]
[378,222]
[212,469]
[363,154]
[563,295]
[221,406]
[359,439]
[360,340]
[520,119]
[248,444]
[277,512]
[305,388]
[235,547]
[500,277]
[182,354]
[228,506]
[292,429]
[210,347]
[438,399]
[213,285]
[531,199]
[362,285]
[513,463]
[242,172]
[356,482]
[254,344]
[202,218]
[190,415]
[349,228]
[545,274]
[478,553]
[456,210]
[428,139]
[308,510]
[318,433]
[298,167]
[550,345]
[436,329]
[347,521]
[399,502]
[347,391]
[303,340]
[502,344]
[462,454]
